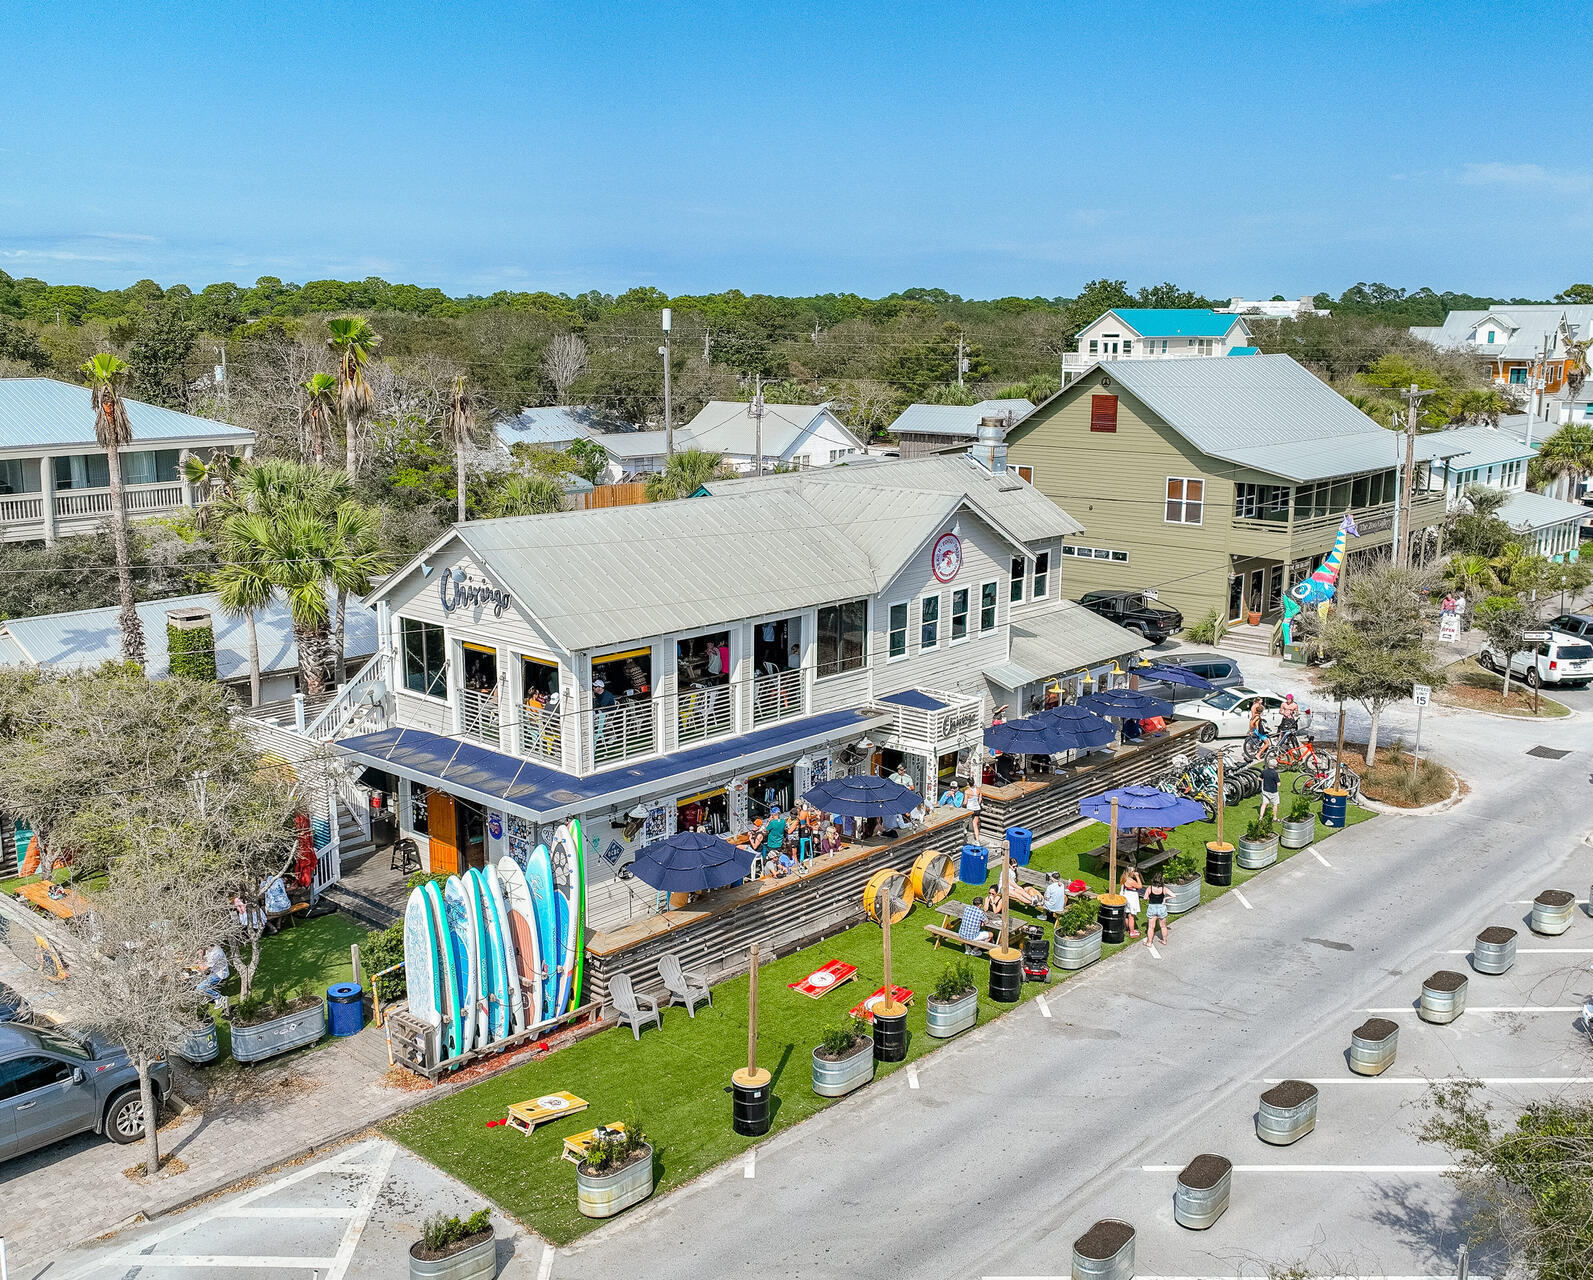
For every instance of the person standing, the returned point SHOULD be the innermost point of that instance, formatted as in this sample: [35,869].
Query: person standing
[1155,910]
[1460,612]
[774,832]
[1130,889]
[972,803]
[1269,788]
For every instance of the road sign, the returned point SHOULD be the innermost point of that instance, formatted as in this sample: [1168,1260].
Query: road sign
[1448,629]
[1422,694]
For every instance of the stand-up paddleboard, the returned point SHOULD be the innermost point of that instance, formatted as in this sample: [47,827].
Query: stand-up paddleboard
[578,837]
[462,943]
[495,962]
[421,962]
[527,958]
[539,876]
[483,957]
[511,964]
[566,881]
[448,983]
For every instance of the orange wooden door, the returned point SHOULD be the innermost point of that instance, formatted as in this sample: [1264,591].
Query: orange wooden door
[442,824]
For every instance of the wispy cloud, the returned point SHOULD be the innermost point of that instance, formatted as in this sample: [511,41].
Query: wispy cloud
[1530,178]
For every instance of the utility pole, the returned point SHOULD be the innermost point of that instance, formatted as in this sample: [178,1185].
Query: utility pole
[959,360]
[1413,396]
[755,410]
[707,343]
[1540,385]
[221,376]
[669,429]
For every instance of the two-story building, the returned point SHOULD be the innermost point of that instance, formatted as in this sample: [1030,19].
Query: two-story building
[694,663]
[1497,458]
[1157,333]
[55,479]
[1525,348]
[1216,483]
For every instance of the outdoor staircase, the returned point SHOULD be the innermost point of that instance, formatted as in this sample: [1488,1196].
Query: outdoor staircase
[362,891]
[1243,638]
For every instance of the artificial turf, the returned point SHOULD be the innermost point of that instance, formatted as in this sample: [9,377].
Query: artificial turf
[677,1078]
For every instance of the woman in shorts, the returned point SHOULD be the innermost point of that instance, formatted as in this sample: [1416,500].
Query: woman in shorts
[1155,910]
[1130,889]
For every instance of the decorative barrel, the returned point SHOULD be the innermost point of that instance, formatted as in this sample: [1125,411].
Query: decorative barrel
[838,1078]
[946,1018]
[1495,950]
[1443,997]
[1112,916]
[1183,896]
[345,1009]
[1551,912]
[1255,854]
[1219,863]
[749,1107]
[1202,1192]
[1006,975]
[1335,807]
[477,1262]
[890,1034]
[202,1046]
[602,1195]
[1105,1252]
[1373,1046]
[1020,841]
[1298,835]
[973,864]
[1071,952]
[1287,1114]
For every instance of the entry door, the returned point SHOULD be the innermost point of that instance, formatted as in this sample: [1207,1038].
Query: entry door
[472,834]
[442,825]
[1253,597]
[1236,597]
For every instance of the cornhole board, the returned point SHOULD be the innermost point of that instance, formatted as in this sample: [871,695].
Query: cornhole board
[576,1145]
[824,980]
[865,1009]
[526,1116]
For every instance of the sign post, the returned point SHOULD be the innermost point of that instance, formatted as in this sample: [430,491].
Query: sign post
[1421,694]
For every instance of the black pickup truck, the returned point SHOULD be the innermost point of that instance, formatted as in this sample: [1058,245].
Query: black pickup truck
[1132,610]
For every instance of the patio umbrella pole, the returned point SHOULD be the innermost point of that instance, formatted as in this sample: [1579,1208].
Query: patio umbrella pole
[1111,840]
[750,1089]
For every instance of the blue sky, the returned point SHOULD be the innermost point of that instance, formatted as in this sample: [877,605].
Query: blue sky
[990,149]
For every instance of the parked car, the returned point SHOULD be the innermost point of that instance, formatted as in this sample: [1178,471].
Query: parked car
[1227,712]
[1132,609]
[1218,668]
[13,1005]
[54,1085]
[1574,624]
[1561,659]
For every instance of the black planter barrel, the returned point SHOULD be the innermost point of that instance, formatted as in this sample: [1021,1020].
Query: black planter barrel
[890,1036]
[1112,916]
[749,1106]
[1006,975]
[1219,863]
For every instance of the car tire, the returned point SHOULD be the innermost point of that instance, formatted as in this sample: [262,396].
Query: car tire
[124,1117]
[1137,629]
[1207,733]
[1533,678]
[1488,662]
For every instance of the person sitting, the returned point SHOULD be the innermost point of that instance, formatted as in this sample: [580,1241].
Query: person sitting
[1055,901]
[1021,894]
[787,863]
[951,799]
[218,971]
[971,928]
[830,839]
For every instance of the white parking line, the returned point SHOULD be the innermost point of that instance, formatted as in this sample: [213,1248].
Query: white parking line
[912,1077]
[1495,1008]
[1239,893]
[546,1269]
[1045,1009]
[1425,1080]
[1153,950]
[1141,1276]
[1316,1168]
[367,1202]
[1321,859]
[750,1170]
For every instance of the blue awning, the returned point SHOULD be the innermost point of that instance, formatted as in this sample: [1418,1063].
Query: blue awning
[915,698]
[500,780]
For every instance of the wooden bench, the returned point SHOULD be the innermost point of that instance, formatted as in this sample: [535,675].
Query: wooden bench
[949,911]
[1143,860]
[941,934]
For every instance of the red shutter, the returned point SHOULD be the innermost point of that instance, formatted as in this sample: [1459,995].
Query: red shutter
[1103,413]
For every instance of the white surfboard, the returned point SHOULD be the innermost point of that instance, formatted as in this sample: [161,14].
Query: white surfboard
[422,964]
[527,958]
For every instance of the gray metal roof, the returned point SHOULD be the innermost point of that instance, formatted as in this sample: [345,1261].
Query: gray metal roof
[1535,511]
[559,424]
[1484,446]
[956,419]
[1521,328]
[1062,639]
[37,413]
[726,426]
[90,637]
[1014,503]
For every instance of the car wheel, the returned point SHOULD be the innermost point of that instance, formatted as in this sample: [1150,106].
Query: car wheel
[1137,629]
[1208,732]
[124,1118]
[1533,679]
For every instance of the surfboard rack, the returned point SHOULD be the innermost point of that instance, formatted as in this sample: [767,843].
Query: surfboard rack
[396,1052]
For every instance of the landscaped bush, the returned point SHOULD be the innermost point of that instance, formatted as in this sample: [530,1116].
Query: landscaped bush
[1180,867]
[841,1040]
[263,1006]
[1300,810]
[1209,630]
[1260,829]
[615,1148]
[441,1232]
[1078,918]
[382,949]
[956,980]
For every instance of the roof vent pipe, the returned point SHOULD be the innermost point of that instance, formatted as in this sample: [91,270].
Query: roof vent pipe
[990,448]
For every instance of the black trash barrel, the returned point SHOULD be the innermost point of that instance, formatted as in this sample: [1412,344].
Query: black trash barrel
[1219,863]
[890,1036]
[1006,975]
[749,1108]
[1112,916]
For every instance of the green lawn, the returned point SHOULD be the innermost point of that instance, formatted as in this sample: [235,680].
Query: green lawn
[677,1078]
[308,957]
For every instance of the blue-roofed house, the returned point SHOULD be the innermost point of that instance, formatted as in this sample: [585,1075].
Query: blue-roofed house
[1156,333]
[54,477]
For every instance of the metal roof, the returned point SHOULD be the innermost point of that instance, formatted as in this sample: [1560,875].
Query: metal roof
[90,637]
[1064,638]
[37,413]
[559,424]
[1536,511]
[956,419]
[727,426]
[1524,326]
[1484,446]
[1176,322]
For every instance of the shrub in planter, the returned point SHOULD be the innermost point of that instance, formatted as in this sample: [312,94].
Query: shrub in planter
[1181,877]
[1078,936]
[844,1059]
[617,1171]
[454,1248]
[1299,827]
[202,1045]
[1258,847]
[954,1002]
[263,1026]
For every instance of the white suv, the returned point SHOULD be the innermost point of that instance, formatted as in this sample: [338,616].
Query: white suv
[1560,659]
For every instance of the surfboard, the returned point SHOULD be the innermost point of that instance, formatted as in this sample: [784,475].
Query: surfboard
[578,836]
[483,957]
[515,1012]
[539,876]
[462,943]
[494,961]
[527,959]
[448,997]
[566,880]
[421,961]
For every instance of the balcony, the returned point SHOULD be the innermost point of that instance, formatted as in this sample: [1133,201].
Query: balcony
[23,516]
[542,734]
[957,722]
[777,696]
[1077,362]
[705,712]
[478,717]
[623,731]
[1310,534]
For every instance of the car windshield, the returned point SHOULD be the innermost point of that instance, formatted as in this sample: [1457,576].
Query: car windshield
[1223,701]
[67,1047]
[1575,652]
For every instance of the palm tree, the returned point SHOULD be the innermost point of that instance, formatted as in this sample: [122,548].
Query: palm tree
[354,342]
[1472,576]
[320,403]
[457,429]
[520,494]
[243,583]
[113,432]
[686,473]
[1567,453]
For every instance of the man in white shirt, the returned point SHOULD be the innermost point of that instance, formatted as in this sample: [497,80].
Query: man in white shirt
[218,972]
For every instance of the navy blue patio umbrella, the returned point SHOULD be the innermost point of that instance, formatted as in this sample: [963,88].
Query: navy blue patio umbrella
[691,861]
[1141,806]
[1031,736]
[1081,730]
[1172,673]
[1125,704]
[865,796]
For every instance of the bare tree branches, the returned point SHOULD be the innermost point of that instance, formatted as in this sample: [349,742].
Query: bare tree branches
[563,362]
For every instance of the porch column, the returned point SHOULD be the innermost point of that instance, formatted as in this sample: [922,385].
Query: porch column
[47,498]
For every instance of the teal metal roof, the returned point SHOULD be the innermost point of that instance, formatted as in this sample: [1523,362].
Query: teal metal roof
[1175,322]
[39,412]
[1245,351]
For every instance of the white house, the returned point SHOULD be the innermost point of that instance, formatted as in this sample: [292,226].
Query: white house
[1526,348]
[1272,309]
[797,435]
[1158,333]
[1497,458]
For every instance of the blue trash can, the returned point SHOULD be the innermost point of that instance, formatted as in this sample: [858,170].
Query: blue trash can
[973,864]
[1020,840]
[1333,808]
[345,1009]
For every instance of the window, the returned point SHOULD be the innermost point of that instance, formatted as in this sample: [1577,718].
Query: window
[1518,375]
[425,658]
[82,471]
[23,1075]
[150,466]
[1128,346]
[1015,593]
[1260,502]
[802,461]
[842,637]
[419,819]
[896,646]
[1185,500]
[959,614]
[1025,474]
[1490,337]
[1042,571]
[987,607]
[1094,553]
[1103,413]
[1094,347]
[19,475]
[929,622]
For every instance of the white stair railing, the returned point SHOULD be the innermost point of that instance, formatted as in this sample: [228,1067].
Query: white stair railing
[350,698]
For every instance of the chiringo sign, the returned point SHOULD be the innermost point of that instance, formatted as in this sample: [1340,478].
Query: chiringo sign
[458,593]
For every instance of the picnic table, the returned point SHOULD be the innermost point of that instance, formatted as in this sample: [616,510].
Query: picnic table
[1141,859]
[63,908]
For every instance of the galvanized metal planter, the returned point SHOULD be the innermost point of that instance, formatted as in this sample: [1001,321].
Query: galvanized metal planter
[602,1195]
[837,1079]
[280,1035]
[1551,912]
[1373,1046]
[1443,999]
[1183,897]
[1199,1198]
[1494,950]
[1074,953]
[1287,1114]
[1119,1262]
[946,1018]
[476,1262]
[201,1047]
[1298,835]
[1255,854]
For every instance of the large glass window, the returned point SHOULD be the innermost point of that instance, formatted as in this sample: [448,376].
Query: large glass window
[1260,501]
[842,637]
[425,658]
[150,466]
[929,622]
[19,475]
[987,607]
[897,640]
[82,471]
[959,614]
[1185,500]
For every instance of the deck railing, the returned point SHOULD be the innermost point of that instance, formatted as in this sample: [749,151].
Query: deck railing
[542,733]
[776,697]
[623,730]
[478,716]
[707,712]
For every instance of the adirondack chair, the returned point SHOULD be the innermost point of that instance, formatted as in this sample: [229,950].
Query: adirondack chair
[628,1005]
[688,988]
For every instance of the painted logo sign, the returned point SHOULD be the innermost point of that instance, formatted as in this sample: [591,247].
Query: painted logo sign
[947,556]
[464,595]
